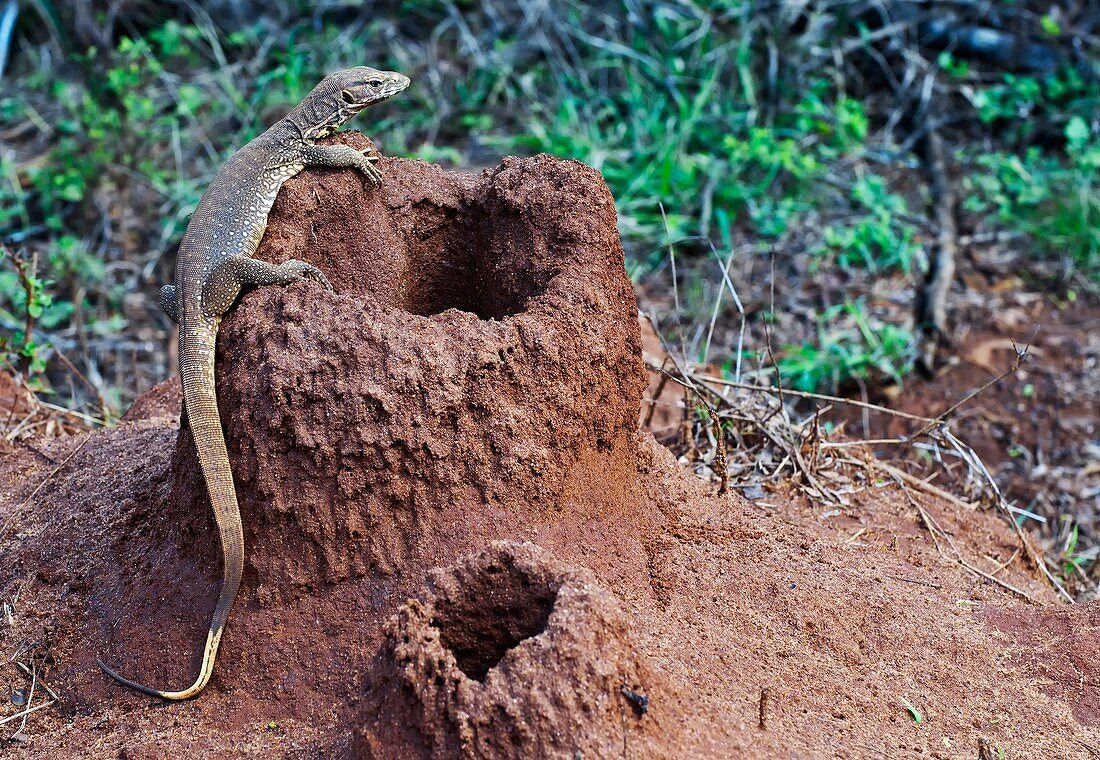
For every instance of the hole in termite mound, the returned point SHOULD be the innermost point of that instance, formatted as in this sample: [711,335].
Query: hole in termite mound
[500,609]
[478,263]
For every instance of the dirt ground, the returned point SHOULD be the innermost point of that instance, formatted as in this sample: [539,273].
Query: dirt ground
[1032,423]
[1037,429]
[460,544]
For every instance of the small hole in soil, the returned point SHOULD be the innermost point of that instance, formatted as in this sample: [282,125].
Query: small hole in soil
[496,613]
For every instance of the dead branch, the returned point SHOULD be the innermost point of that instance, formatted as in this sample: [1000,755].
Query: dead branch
[930,308]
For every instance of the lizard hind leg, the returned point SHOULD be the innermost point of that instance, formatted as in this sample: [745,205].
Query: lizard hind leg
[168,302]
[224,284]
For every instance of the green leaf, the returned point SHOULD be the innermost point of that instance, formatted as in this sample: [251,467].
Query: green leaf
[1050,26]
[913,711]
[1077,132]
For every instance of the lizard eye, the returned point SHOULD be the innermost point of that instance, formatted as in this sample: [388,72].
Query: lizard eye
[375,83]
[346,96]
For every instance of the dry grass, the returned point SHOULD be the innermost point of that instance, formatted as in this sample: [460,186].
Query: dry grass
[750,435]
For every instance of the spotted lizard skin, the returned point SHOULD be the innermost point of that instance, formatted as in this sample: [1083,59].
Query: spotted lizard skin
[215,263]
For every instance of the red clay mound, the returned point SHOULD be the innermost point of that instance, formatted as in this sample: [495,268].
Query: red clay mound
[478,366]
[511,654]
[163,400]
[476,377]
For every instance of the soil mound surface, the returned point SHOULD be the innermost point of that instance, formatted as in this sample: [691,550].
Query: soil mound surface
[460,544]
[477,366]
[511,654]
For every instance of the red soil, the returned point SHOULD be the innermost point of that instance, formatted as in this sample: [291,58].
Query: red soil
[476,378]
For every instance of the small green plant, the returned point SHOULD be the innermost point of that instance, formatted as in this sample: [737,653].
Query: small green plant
[1074,562]
[839,122]
[879,240]
[914,713]
[849,347]
[30,298]
[14,213]
[952,66]
[1054,201]
[769,176]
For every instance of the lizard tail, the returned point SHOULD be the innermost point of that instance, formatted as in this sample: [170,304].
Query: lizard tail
[202,413]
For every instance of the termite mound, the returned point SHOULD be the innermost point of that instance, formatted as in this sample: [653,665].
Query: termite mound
[510,653]
[475,376]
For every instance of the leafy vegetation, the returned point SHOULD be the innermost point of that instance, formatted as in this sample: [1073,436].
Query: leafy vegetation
[847,348]
[1054,201]
[32,300]
[712,124]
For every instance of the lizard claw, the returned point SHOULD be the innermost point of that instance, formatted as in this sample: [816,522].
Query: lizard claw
[301,270]
[373,176]
[371,172]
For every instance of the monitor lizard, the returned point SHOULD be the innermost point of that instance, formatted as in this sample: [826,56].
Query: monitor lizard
[215,262]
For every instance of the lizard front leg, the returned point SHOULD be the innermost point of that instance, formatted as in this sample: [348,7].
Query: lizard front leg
[343,156]
[223,285]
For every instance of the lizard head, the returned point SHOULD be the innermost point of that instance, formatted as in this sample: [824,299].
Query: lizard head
[341,95]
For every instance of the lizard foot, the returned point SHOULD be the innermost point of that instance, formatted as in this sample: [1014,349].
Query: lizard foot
[239,271]
[371,172]
[294,269]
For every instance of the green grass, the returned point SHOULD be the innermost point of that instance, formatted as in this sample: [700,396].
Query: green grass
[849,347]
[700,142]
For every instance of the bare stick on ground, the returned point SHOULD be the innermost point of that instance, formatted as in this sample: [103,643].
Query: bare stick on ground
[930,306]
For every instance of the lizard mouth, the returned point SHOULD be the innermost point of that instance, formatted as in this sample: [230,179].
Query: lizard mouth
[398,83]
[396,87]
